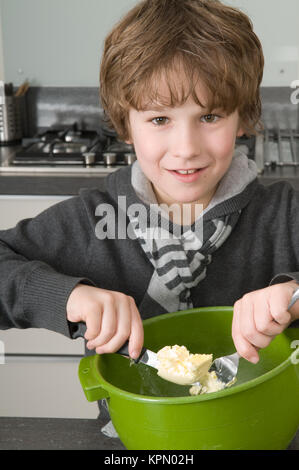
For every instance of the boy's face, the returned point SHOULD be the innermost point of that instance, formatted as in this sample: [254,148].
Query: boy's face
[169,141]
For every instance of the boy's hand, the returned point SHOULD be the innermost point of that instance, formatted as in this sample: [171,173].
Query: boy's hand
[111,318]
[261,315]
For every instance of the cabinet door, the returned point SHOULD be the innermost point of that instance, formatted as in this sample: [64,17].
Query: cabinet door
[44,388]
[15,208]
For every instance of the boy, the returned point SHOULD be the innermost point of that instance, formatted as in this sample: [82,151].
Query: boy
[180,81]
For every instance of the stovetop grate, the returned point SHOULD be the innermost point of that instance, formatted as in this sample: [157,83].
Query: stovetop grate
[281,147]
[73,147]
[277,148]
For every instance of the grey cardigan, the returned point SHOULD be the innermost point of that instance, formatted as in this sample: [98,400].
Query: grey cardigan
[44,258]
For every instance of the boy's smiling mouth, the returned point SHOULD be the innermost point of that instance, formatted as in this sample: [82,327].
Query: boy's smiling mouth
[186,172]
[188,176]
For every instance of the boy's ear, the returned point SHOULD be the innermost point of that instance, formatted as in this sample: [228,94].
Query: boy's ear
[129,140]
[240,127]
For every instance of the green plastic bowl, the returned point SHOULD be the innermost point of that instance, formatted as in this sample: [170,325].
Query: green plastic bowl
[261,411]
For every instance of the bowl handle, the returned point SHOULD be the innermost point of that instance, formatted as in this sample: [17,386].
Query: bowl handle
[89,380]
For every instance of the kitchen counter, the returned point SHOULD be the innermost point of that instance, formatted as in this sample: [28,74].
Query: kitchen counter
[39,183]
[55,434]
[63,434]
[56,185]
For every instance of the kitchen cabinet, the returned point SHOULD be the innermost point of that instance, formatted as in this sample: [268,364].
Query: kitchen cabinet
[15,208]
[43,389]
[45,384]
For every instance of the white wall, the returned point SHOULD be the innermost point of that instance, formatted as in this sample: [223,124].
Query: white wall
[59,42]
[2,77]
[276,24]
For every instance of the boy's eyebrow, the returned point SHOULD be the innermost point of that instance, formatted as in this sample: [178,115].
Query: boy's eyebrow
[160,108]
[154,107]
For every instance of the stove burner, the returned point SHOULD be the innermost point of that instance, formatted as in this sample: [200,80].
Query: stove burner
[73,146]
[69,147]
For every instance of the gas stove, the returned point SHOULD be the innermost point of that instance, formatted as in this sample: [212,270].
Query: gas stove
[71,149]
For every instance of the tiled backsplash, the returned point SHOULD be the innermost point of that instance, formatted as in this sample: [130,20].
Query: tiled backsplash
[47,106]
[278,109]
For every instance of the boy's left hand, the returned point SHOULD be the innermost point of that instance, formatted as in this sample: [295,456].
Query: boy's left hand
[261,315]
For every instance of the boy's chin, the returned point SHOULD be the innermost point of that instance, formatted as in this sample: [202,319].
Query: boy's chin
[181,197]
[189,199]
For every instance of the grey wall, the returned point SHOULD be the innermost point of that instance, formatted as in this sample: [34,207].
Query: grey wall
[59,42]
[56,42]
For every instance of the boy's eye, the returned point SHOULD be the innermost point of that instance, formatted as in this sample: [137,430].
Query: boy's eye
[159,121]
[210,118]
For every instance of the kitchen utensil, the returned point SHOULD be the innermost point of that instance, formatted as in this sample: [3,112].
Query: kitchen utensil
[146,357]
[22,90]
[226,367]
[261,411]
[8,89]
[12,109]
[2,93]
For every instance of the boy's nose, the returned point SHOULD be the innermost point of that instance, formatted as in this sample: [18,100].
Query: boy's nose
[185,143]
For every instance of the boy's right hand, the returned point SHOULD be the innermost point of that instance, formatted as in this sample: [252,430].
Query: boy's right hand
[110,317]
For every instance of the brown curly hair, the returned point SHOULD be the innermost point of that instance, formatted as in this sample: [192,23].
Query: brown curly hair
[214,43]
